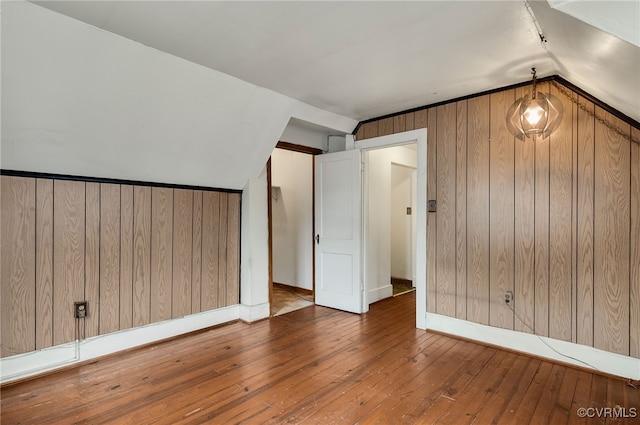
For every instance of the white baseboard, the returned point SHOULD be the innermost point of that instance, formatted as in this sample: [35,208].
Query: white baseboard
[48,359]
[252,313]
[380,293]
[553,349]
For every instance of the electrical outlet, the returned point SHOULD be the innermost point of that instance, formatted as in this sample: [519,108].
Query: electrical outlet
[508,297]
[80,309]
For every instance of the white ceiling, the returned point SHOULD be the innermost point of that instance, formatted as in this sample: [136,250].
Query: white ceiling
[367,59]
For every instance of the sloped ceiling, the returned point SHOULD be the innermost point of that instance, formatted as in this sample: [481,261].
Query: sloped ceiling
[199,92]
[596,60]
[82,101]
[367,59]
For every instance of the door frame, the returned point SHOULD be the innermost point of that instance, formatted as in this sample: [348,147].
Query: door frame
[310,151]
[408,137]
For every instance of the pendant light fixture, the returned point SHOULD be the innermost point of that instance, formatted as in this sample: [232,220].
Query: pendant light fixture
[537,114]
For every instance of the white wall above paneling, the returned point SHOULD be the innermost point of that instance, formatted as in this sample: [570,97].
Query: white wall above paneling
[83,101]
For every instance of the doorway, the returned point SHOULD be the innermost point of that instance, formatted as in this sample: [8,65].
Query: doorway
[290,175]
[343,174]
[417,138]
[388,226]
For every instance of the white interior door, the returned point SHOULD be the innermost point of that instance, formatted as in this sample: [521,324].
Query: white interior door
[338,217]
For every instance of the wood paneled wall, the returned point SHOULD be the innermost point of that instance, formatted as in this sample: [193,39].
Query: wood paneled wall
[137,254]
[556,220]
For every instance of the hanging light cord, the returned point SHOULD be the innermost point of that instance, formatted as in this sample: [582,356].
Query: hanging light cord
[533,89]
[574,99]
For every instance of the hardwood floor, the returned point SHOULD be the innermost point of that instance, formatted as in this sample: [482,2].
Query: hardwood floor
[286,299]
[318,366]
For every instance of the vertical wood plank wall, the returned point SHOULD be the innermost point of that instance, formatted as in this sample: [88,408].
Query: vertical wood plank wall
[137,254]
[556,220]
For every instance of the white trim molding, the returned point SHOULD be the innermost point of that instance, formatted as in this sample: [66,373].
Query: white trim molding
[253,313]
[48,359]
[553,349]
[380,293]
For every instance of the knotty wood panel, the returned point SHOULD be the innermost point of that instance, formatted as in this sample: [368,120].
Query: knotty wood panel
[446,215]
[141,255]
[420,119]
[574,225]
[542,233]
[385,126]
[611,238]
[399,123]
[478,203]
[634,277]
[44,263]
[429,120]
[222,251]
[102,242]
[369,130]
[210,257]
[501,176]
[126,256]
[196,265]
[161,252]
[182,252]
[18,275]
[584,240]
[233,249]
[524,232]
[461,210]
[109,258]
[409,121]
[560,224]
[68,256]
[92,260]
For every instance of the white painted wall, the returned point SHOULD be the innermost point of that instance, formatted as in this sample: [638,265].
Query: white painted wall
[292,218]
[79,100]
[254,251]
[401,224]
[378,217]
[300,133]
[304,137]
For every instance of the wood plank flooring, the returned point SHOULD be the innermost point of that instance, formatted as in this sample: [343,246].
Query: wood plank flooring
[285,299]
[318,366]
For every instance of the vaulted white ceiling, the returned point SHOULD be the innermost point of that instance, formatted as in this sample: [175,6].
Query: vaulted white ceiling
[367,59]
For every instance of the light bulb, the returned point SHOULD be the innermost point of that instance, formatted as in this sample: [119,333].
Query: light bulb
[533,114]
